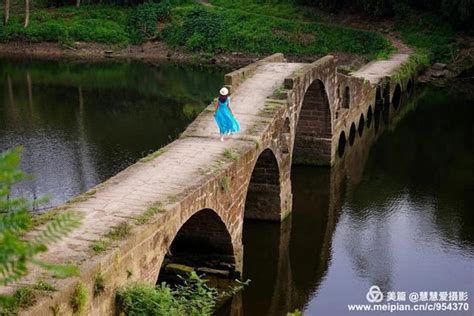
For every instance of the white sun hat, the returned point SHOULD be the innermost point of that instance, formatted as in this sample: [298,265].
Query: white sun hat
[224,91]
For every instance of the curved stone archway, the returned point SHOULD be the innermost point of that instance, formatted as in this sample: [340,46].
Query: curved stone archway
[369,116]
[314,126]
[361,126]
[341,147]
[397,96]
[203,241]
[263,200]
[352,134]
[410,87]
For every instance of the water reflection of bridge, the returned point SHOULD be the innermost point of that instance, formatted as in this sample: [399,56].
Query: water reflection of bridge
[287,267]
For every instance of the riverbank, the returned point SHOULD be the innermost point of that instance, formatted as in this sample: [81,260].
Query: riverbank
[185,32]
[152,52]
[179,34]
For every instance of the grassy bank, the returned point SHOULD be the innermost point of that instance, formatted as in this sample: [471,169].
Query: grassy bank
[196,28]
[244,26]
[102,24]
[430,34]
[216,29]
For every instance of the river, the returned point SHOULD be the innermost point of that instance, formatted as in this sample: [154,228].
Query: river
[397,212]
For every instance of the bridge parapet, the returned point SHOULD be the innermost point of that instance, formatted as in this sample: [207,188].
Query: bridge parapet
[233,80]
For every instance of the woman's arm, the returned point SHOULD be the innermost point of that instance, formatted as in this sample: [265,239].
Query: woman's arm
[228,105]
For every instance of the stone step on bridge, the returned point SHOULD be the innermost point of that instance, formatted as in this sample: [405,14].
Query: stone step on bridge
[187,202]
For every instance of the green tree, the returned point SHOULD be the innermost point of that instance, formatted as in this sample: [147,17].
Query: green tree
[16,251]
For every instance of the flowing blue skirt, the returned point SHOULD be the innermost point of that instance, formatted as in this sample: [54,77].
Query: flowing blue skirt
[226,121]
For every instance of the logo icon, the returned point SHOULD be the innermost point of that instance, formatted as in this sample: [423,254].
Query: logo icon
[374,295]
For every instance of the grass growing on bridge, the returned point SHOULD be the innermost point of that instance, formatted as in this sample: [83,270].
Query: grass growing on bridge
[99,285]
[26,296]
[152,210]
[79,298]
[231,154]
[117,233]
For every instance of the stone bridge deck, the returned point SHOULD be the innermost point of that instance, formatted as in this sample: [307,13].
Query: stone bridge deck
[182,167]
[198,190]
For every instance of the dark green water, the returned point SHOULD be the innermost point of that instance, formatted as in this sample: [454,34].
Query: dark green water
[81,123]
[397,212]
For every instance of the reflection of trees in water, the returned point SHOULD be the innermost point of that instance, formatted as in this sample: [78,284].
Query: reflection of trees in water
[366,187]
[426,165]
[183,83]
[431,163]
[82,123]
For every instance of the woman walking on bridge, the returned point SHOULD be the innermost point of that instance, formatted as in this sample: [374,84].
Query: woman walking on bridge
[224,117]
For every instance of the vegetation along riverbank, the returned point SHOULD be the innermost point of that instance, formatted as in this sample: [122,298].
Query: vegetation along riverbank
[231,32]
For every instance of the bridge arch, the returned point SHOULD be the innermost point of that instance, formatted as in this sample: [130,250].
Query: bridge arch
[369,116]
[263,199]
[361,126]
[397,96]
[346,99]
[410,87]
[202,241]
[341,146]
[352,134]
[314,126]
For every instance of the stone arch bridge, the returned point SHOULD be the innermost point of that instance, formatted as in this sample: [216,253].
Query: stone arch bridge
[187,202]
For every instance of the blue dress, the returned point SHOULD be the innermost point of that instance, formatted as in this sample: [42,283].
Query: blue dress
[224,118]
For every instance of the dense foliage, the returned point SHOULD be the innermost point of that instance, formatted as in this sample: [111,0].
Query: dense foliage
[69,24]
[197,28]
[144,17]
[248,26]
[459,13]
[193,297]
[215,30]
[17,253]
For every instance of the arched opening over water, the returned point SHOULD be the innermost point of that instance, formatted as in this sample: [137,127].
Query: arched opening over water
[369,116]
[410,87]
[314,126]
[315,116]
[346,100]
[263,194]
[352,134]
[378,108]
[361,124]
[341,147]
[203,241]
[397,96]
[386,103]
[285,137]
